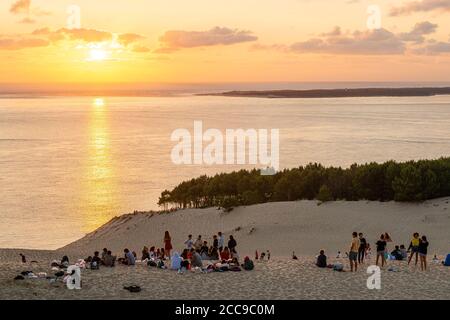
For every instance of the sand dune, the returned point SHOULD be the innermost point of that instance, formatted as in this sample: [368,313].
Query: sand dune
[276,279]
[302,226]
[282,227]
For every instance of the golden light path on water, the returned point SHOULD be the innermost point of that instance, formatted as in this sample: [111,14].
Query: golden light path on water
[99,188]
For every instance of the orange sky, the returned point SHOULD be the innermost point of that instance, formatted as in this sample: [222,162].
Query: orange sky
[179,41]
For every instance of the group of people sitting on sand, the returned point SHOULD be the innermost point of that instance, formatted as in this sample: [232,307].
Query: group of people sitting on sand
[360,249]
[221,257]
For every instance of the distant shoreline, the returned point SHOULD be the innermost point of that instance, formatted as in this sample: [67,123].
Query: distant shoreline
[256,93]
[337,93]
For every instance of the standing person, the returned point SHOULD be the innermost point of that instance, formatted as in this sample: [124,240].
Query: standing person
[368,252]
[189,242]
[381,249]
[198,243]
[353,254]
[221,241]
[167,243]
[215,242]
[414,246]
[232,244]
[362,248]
[423,250]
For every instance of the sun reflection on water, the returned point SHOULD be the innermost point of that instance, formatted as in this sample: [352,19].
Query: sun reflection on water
[100,186]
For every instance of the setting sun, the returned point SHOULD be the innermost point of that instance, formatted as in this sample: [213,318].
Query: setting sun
[97,55]
[99,102]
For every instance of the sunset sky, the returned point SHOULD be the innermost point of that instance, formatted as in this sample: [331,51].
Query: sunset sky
[200,41]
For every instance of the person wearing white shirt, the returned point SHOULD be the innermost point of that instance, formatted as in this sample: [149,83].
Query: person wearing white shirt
[189,242]
[221,241]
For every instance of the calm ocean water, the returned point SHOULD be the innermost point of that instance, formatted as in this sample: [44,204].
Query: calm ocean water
[68,165]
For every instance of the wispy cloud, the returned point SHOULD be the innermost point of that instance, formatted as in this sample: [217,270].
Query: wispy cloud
[433,48]
[27,20]
[18,44]
[23,7]
[20,6]
[371,42]
[178,39]
[128,38]
[418,32]
[420,6]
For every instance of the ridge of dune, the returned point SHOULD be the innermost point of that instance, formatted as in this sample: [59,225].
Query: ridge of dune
[281,227]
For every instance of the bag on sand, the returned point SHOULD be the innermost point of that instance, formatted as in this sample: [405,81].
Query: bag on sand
[447,261]
[133,288]
[338,267]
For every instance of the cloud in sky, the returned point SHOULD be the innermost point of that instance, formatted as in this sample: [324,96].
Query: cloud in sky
[20,6]
[27,20]
[140,49]
[433,48]
[17,44]
[371,42]
[87,35]
[23,7]
[128,38]
[420,6]
[418,32]
[173,40]
[44,37]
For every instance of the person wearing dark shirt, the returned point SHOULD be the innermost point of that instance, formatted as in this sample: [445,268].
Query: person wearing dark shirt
[96,260]
[423,250]
[321,260]
[232,243]
[215,242]
[381,248]
[204,249]
[362,248]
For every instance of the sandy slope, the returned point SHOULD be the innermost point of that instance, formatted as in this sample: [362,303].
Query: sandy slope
[282,227]
[276,279]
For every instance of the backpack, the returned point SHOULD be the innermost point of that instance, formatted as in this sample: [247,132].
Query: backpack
[447,261]
[249,265]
